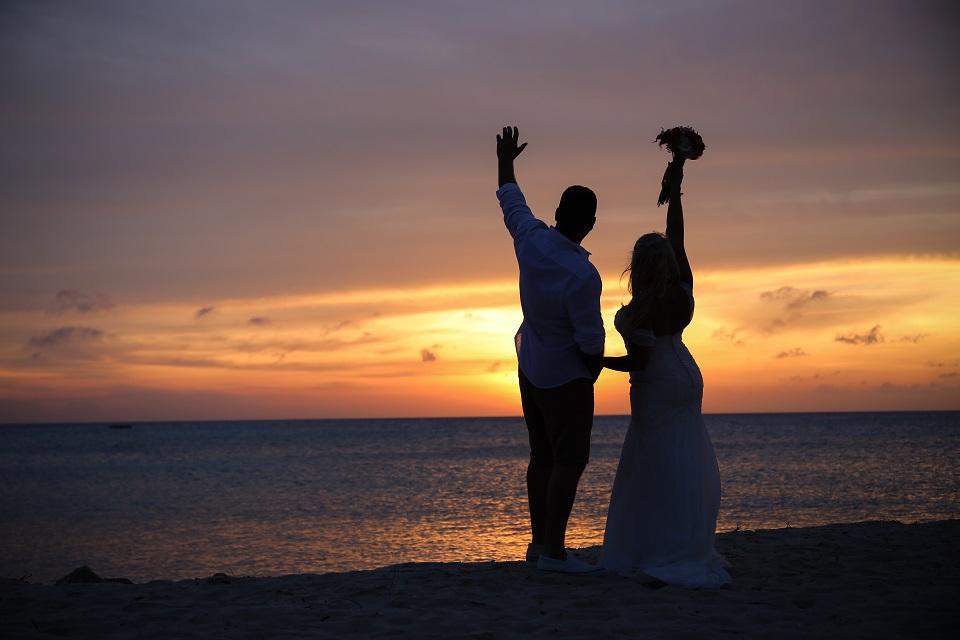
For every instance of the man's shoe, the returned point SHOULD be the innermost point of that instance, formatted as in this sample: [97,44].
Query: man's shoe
[570,564]
[533,551]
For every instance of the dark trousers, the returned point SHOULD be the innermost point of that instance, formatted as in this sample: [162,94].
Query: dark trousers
[559,421]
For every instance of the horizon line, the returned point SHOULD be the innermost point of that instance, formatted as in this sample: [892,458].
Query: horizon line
[478,417]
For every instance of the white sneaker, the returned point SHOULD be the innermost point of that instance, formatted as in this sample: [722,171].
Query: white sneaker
[534,551]
[570,564]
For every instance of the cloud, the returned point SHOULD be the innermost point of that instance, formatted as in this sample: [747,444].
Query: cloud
[259,321]
[429,354]
[949,374]
[65,335]
[312,346]
[890,387]
[871,337]
[940,364]
[868,195]
[279,363]
[775,325]
[913,338]
[73,300]
[793,301]
[494,367]
[203,311]
[793,298]
[814,377]
[338,326]
[726,335]
[792,353]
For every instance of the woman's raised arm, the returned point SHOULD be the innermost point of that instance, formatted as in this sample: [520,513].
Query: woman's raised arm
[673,177]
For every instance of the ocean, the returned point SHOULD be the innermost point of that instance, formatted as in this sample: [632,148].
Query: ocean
[188,499]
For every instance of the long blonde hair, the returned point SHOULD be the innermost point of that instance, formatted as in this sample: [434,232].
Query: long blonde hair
[653,272]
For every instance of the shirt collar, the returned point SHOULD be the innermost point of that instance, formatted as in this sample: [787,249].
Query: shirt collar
[565,241]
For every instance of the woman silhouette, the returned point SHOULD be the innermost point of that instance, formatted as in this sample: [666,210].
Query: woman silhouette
[666,496]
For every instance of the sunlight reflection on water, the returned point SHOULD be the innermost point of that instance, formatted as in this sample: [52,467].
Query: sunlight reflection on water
[181,500]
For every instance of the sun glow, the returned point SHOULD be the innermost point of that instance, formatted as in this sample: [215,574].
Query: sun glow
[824,336]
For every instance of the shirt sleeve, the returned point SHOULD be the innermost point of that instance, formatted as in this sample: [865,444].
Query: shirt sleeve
[516,214]
[583,308]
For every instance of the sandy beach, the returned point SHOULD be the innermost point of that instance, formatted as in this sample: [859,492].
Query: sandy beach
[869,579]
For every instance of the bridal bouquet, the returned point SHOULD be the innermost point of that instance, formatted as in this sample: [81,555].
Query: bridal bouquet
[685,144]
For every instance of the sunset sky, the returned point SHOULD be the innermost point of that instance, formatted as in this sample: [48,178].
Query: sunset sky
[229,210]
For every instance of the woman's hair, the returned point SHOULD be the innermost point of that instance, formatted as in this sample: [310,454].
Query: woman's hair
[653,271]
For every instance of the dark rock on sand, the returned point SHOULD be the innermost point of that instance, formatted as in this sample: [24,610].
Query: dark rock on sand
[86,575]
[80,575]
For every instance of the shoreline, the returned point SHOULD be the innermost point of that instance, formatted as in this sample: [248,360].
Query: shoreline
[882,579]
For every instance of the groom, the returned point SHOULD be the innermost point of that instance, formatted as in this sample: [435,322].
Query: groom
[559,349]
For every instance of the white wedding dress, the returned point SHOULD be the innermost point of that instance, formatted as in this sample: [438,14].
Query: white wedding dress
[666,496]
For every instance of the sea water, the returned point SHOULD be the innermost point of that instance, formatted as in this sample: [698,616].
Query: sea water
[188,499]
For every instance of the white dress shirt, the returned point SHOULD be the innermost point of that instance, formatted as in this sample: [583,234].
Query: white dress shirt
[559,294]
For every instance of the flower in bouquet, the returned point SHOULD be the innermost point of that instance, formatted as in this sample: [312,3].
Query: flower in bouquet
[685,144]
[682,142]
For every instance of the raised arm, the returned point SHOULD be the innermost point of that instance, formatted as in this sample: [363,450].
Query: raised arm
[516,214]
[507,152]
[673,177]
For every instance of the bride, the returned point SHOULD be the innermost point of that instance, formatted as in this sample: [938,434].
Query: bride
[663,509]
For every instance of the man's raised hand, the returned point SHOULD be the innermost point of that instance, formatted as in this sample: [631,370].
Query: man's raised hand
[507,149]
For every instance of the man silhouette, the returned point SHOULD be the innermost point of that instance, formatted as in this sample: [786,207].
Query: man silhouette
[559,351]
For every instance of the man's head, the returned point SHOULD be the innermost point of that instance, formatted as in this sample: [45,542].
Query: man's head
[577,212]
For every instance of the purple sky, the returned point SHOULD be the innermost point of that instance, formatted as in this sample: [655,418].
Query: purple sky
[186,151]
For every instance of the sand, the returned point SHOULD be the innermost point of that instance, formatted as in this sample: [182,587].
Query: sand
[870,579]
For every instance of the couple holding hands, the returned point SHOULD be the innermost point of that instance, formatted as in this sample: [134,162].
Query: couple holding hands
[666,495]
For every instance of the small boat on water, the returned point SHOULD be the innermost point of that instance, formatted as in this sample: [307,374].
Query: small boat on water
[120,426]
